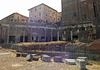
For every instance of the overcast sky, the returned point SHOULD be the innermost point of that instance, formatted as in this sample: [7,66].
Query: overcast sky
[8,7]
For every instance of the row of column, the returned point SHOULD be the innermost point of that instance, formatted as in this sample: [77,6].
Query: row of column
[8,35]
[17,37]
[24,30]
[71,33]
[45,34]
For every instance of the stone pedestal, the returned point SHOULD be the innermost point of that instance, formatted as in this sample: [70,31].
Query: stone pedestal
[57,59]
[46,58]
[81,64]
[84,58]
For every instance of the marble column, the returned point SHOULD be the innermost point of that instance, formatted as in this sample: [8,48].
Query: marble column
[8,35]
[31,35]
[16,35]
[51,34]
[45,34]
[71,32]
[24,35]
[38,35]
[58,34]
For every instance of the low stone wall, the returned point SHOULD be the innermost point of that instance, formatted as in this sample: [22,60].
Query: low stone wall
[7,46]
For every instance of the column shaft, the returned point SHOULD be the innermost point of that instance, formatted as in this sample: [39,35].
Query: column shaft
[8,36]
[51,34]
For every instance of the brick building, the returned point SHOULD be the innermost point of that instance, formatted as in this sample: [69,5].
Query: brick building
[16,17]
[16,28]
[39,27]
[44,13]
[44,18]
[13,28]
[85,14]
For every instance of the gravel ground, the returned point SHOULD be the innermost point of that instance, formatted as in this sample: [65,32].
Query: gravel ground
[11,62]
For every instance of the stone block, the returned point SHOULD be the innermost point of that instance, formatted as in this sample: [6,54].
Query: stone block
[43,55]
[81,64]
[70,61]
[46,58]
[57,59]
[84,58]
[29,57]
[35,58]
